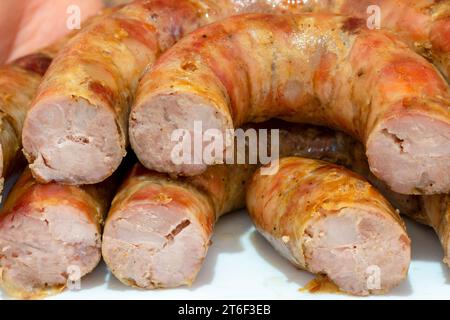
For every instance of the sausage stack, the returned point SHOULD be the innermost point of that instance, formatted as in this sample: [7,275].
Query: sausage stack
[140,71]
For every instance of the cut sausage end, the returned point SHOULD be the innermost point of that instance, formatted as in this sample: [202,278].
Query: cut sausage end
[72,142]
[411,154]
[362,252]
[151,246]
[41,247]
[164,133]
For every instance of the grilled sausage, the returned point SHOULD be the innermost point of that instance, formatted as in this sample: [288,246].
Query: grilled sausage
[49,231]
[158,229]
[17,87]
[18,83]
[423,24]
[320,69]
[83,103]
[327,220]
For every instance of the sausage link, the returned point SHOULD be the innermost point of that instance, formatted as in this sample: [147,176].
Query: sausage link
[82,105]
[159,228]
[319,69]
[48,233]
[423,24]
[327,220]
[17,87]
[157,231]
[19,81]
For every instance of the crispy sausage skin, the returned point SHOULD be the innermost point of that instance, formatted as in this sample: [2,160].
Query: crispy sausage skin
[82,105]
[423,24]
[436,213]
[326,219]
[18,83]
[49,231]
[158,230]
[17,87]
[320,69]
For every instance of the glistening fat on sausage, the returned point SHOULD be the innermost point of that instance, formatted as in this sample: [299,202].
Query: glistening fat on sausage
[328,220]
[320,69]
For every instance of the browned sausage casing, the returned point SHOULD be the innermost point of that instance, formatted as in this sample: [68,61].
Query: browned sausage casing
[158,230]
[19,81]
[328,220]
[83,103]
[18,84]
[320,69]
[48,232]
[423,24]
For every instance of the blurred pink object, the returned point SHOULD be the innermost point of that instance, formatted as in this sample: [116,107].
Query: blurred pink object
[27,25]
